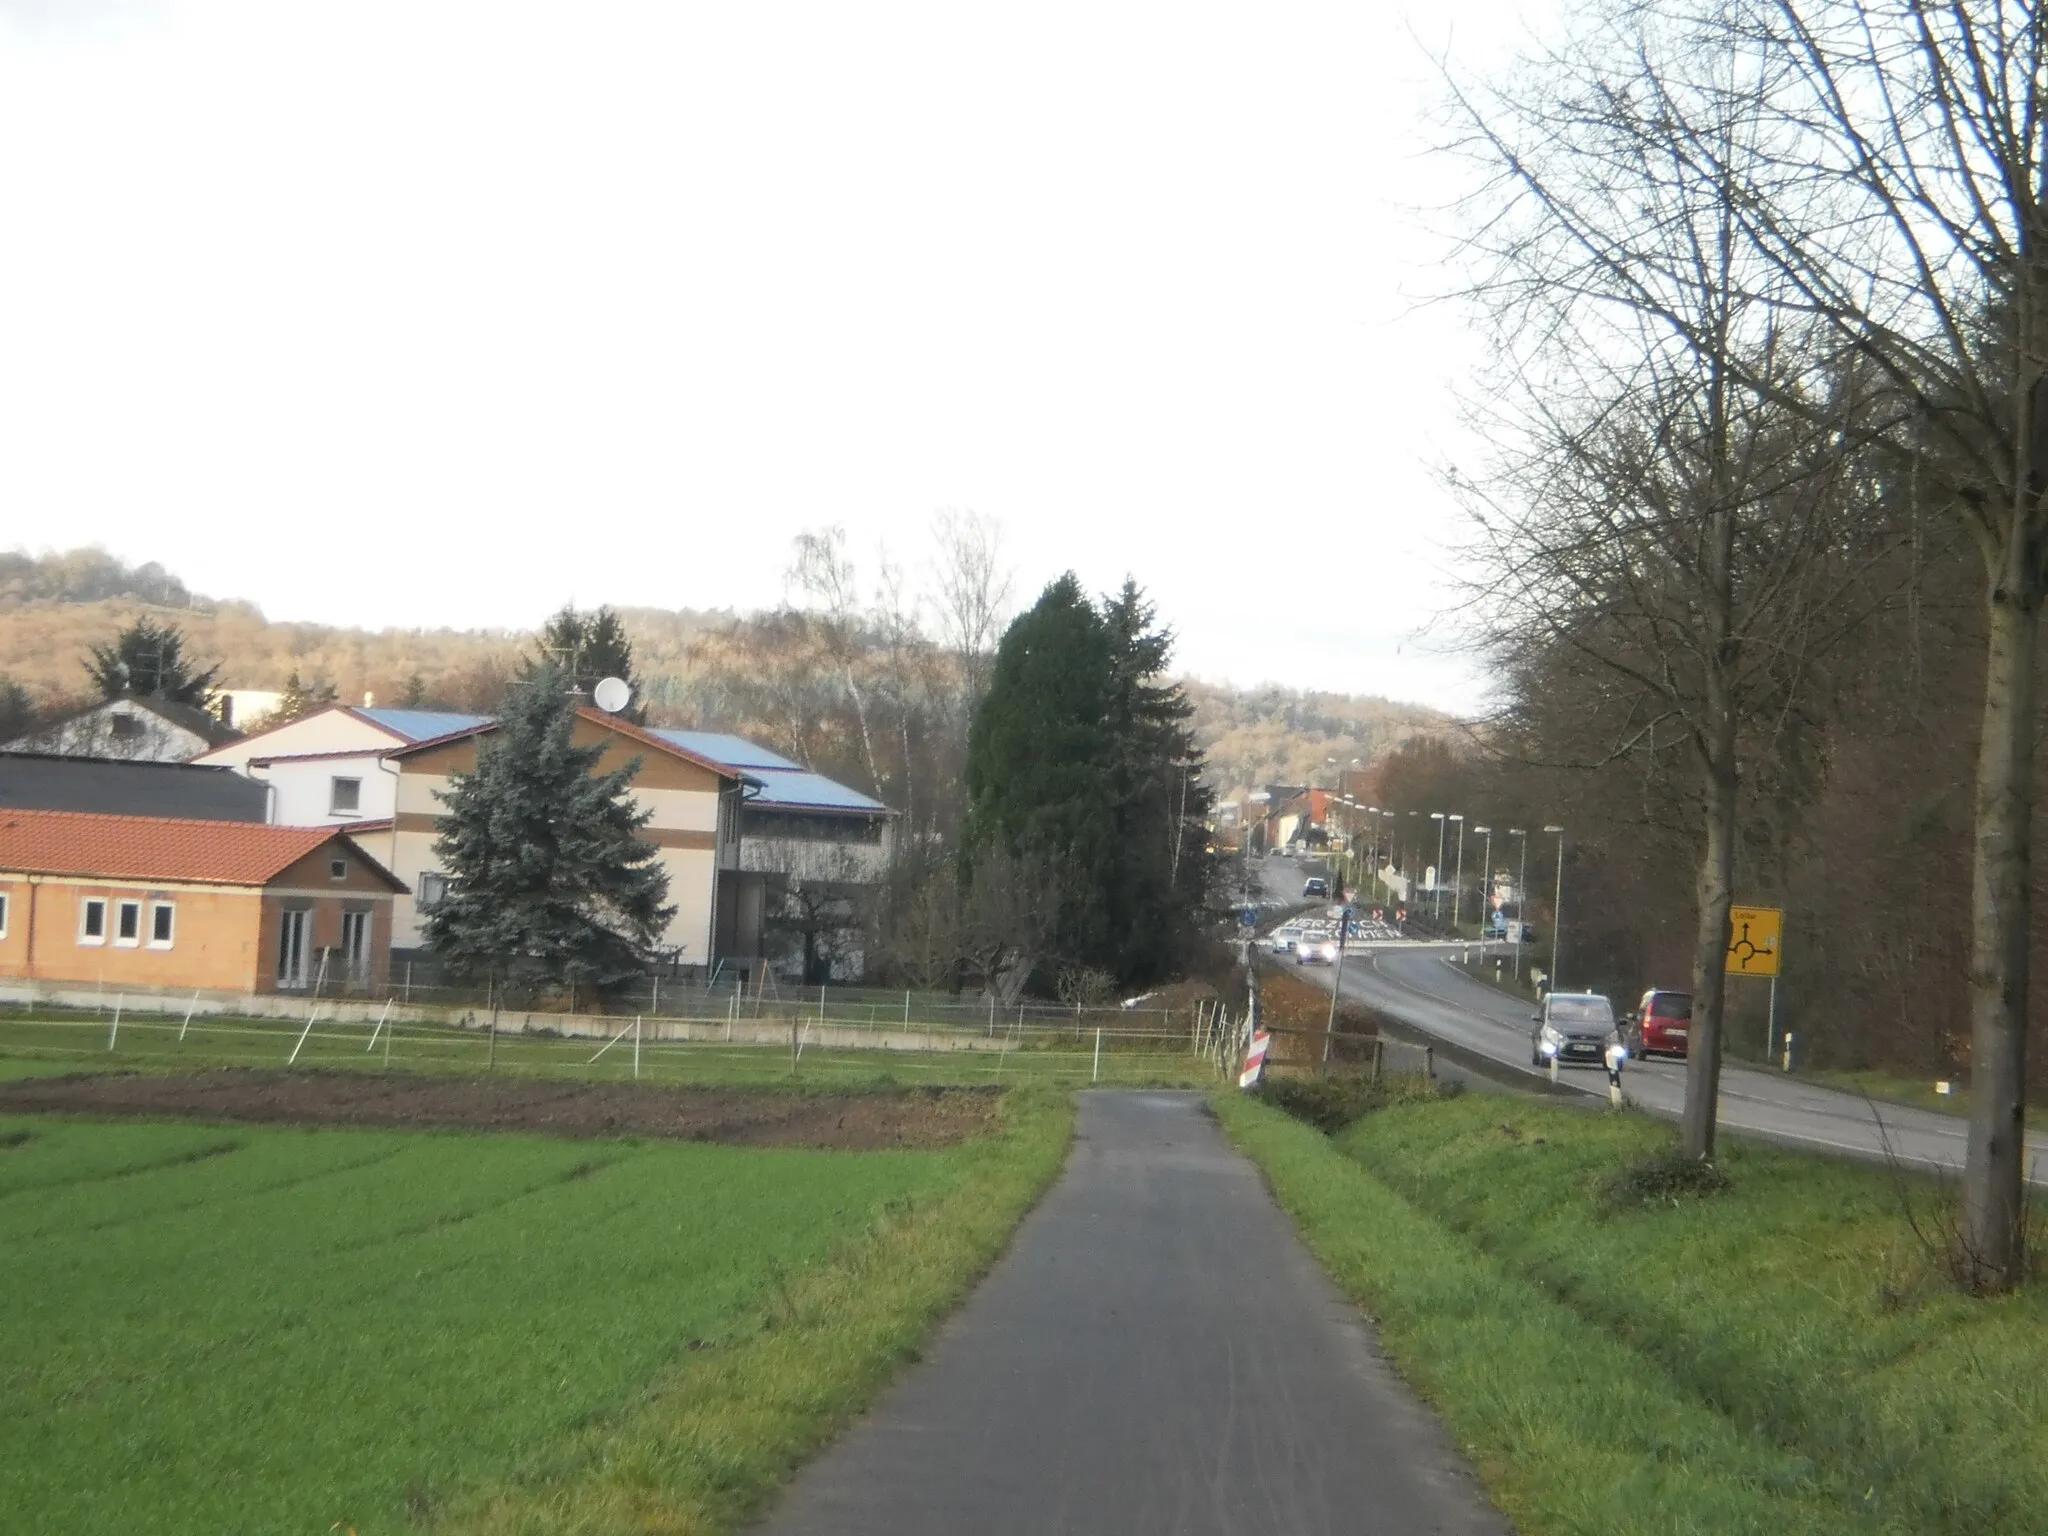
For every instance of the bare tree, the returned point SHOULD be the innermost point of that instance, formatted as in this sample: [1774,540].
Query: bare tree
[1670,514]
[973,593]
[1909,212]
[825,574]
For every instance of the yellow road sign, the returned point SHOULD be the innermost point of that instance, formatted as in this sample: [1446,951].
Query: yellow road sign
[1754,934]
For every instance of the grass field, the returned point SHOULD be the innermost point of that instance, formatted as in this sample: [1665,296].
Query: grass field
[79,1042]
[216,1329]
[1779,1357]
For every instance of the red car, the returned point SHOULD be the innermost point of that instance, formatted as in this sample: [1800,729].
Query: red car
[1661,1022]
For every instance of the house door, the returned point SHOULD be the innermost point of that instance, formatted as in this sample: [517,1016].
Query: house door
[291,948]
[355,948]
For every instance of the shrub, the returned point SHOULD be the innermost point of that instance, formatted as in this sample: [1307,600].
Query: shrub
[1330,1103]
[1664,1178]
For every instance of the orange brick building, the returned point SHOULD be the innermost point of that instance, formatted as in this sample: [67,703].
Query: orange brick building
[150,901]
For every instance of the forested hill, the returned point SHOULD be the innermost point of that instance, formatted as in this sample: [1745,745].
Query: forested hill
[787,677]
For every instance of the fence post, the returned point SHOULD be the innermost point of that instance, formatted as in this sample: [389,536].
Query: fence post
[1097,1077]
[906,1006]
[120,998]
[1379,1057]
[408,983]
[1429,1062]
[636,1039]
[188,1015]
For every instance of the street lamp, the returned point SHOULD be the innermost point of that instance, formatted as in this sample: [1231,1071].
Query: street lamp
[1521,900]
[1436,903]
[1485,880]
[1557,908]
[1458,880]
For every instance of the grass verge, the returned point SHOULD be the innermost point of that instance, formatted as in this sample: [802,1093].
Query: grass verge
[1779,1356]
[150,1042]
[225,1329]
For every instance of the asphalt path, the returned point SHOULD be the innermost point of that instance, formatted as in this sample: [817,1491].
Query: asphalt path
[1414,984]
[1157,1353]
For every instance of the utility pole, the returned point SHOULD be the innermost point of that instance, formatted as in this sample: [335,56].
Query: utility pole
[1458,880]
[1557,908]
[1436,904]
[1485,881]
[1521,900]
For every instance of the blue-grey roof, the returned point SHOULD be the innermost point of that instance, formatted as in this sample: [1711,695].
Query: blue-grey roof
[723,747]
[796,789]
[421,724]
[783,785]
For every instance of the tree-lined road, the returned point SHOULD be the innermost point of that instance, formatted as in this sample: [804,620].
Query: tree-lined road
[1414,984]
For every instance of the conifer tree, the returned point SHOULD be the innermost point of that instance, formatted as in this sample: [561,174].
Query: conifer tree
[589,647]
[548,884]
[1081,762]
[148,659]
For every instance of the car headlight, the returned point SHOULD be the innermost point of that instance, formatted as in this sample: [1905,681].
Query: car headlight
[1550,1047]
[1551,1037]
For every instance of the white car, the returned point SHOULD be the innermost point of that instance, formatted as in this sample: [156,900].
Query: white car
[1281,940]
[1318,951]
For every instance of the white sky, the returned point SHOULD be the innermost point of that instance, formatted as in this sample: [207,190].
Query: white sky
[424,314]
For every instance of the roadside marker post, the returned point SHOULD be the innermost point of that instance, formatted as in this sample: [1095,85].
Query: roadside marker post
[636,1047]
[1097,1075]
[188,1015]
[380,1027]
[1255,1060]
[119,999]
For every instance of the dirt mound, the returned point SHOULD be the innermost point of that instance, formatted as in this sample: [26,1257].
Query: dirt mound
[919,1117]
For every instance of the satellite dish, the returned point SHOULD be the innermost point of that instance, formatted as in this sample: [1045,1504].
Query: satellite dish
[612,695]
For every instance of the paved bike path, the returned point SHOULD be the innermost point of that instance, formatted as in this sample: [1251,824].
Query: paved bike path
[1157,1353]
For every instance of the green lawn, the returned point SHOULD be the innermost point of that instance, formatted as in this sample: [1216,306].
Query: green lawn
[149,1042]
[221,1329]
[1781,1357]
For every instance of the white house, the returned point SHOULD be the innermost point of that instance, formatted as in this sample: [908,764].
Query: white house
[132,728]
[328,768]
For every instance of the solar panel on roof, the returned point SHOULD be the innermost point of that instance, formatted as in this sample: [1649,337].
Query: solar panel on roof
[724,747]
[422,724]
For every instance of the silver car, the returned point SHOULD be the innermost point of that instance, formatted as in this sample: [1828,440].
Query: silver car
[1573,1026]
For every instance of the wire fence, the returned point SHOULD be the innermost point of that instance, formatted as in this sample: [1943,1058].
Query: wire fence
[638,1048]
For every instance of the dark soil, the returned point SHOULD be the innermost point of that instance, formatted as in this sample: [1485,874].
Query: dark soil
[918,1117]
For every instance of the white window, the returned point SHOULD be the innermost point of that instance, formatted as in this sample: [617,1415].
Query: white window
[433,891]
[128,923]
[92,920]
[163,920]
[3,914]
[345,796]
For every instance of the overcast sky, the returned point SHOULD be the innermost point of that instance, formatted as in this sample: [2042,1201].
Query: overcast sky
[422,314]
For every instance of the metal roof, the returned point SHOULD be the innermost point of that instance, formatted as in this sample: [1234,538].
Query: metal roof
[421,724]
[798,790]
[734,751]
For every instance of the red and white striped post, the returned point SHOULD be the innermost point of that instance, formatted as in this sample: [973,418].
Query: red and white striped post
[1254,1060]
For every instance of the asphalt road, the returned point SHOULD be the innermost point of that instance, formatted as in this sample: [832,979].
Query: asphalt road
[1413,983]
[1157,1353]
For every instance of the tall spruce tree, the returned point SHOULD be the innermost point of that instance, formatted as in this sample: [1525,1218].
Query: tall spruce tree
[549,885]
[589,647]
[1080,761]
[148,658]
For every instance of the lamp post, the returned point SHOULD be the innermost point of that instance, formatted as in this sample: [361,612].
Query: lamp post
[1436,900]
[1557,908]
[1372,853]
[1521,900]
[1458,880]
[1485,879]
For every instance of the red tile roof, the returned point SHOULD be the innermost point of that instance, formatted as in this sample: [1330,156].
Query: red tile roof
[160,847]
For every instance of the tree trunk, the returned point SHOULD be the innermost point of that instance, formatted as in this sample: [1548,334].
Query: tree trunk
[2000,912]
[1710,955]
